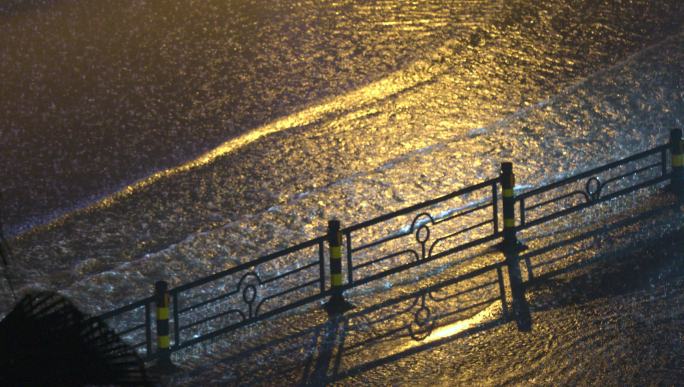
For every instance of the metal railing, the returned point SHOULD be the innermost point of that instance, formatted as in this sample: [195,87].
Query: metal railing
[421,229]
[600,184]
[389,244]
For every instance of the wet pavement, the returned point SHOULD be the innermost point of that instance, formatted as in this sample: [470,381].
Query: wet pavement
[612,318]
[419,99]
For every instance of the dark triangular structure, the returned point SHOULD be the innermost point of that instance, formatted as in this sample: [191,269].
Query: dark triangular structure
[46,340]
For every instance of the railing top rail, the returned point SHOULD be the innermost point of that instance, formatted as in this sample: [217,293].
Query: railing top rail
[418,206]
[125,308]
[593,171]
[246,265]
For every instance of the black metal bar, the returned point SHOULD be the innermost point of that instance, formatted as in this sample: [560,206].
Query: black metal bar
[676,146]
[406,266]
[297,270]
[148,328]
[418,206]
[350,267]
[464,213]
[321,265]
[252,320]
[591,172]
[634,172]
[209,301]
[382,240]
[461,231]
[602,199]
[213,317]
[247,265]
[176,320]
[495,209]
[388,256]
[124,309]
[507,180]
[137,345]
[129,330]
[522,212]
[289,290]
[556,199]
[663,161]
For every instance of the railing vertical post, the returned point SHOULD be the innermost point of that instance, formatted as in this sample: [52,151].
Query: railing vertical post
[163,355]
[337,304]
[507,179]
[677,160]
[511,248]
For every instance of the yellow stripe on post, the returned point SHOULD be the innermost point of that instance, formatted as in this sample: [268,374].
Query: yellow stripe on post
[335,252]
[678,160]
[163,342]
[336,279]
[162,313]
[509,223]
[508,192]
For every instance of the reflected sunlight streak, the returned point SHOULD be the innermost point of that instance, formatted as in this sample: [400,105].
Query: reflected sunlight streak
[443,332]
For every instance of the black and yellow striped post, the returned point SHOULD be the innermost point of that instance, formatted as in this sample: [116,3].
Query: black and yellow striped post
[512,247]
[507,179]
[161,296]
[337,304]
[677,159]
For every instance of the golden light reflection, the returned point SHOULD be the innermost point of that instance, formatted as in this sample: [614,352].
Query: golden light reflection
[488,314]
[348,103]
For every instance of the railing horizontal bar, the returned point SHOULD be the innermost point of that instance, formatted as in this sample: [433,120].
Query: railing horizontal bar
[464,213]
[399,269]
[241,324]
[290,290]
[396,254]
[248,265]
[634,172]
[555,200]
[315,263]
[582,206]
[594,171]
[138,345]
[129,330]
[381,241]
[209,301]
[464,230]
[124,309]
[212,317]
[418,206]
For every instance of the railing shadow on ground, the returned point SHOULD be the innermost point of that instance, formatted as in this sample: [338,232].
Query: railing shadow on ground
[620,271]
[391,328]
[541,262]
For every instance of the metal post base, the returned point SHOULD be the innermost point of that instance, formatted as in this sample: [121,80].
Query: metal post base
[163,367]
[337,305]
[518,247]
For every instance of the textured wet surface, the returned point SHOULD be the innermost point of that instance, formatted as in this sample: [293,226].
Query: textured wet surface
[307,111]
